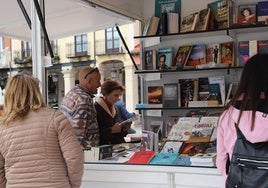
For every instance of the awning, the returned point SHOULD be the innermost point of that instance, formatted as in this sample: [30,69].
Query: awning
[65,18]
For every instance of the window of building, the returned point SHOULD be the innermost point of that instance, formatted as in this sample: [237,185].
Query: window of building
[112,40]
[81,45]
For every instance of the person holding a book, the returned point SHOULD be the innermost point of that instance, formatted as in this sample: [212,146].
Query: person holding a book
[111,132]
[248,109]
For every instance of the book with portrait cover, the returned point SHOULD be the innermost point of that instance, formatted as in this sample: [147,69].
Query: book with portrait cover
[213,53]
[171,146]
[167,53]
[182,56]
[171,120]
[155,94]
[150,60]
[202,20]
[246,14]
[170,95]
[188,22]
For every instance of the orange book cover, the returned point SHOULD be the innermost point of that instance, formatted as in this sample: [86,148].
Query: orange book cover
[141,157]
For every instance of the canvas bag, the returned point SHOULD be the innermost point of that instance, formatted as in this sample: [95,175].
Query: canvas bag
[249,164]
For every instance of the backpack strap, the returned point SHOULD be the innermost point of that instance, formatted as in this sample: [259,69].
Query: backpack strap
[239,133]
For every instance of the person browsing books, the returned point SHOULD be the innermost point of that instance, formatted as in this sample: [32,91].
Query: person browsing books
[111,132]
[78,106]
[124,114]
[38,145]
[248,108]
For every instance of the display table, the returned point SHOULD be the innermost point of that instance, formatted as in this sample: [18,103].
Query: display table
[149,176]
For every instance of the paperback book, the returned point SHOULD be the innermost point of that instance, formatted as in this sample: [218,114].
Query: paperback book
[182,56]
[165,55]
[227,53]
[164,158]
[155,96]
[262,12]
[171,146]
[246,14]
[197,56]
[150,60]
[202,20]
[170,95]
[188,22]
[141,157]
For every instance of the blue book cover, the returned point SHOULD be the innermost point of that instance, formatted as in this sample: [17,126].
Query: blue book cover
[243,52]
[263,46]
[165,55]
[182,160]
[164,158]
[262,12]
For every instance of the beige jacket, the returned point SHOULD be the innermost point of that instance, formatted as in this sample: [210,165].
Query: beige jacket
[40,151]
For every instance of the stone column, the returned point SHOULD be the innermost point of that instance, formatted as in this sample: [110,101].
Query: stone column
[69,73]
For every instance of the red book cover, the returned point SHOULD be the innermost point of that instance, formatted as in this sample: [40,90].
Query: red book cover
[141,157]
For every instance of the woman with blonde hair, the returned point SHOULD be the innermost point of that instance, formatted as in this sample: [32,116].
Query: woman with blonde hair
[38,147]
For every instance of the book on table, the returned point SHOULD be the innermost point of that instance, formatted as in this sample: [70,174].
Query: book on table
[141,157]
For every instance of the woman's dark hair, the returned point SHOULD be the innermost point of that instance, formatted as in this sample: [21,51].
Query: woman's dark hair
[252,89]
[248,9]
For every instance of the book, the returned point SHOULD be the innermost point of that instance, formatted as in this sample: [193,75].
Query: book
[167,6]
[146,26]
[181,131]
[188,91]
[221,14]
[188,22]
[203,89]
[201,132]
[197,55]
[215,94]
[263,46]
[182,160]
[191,149]
[171,146]
[170,95]
[213,53]
[221,81]
[262,12]
[147,140]
[202,20]
[164,158]
[153,25]
[155,94]
[157,127]
[171,120]
[182,56]
[165,55]
[141,157]
[173,22]
[150,60]
[227,53]
[105,151]
[197,113]
[246,14]
[243,52]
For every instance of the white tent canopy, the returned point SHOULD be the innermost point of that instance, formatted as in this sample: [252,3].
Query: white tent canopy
[65,18]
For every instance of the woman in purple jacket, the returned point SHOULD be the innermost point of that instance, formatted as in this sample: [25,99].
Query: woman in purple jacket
[248,108]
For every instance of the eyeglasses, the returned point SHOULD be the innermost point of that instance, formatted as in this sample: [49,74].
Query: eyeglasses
[90,72]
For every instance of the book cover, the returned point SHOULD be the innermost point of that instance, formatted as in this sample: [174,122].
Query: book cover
[220,80]
[227,53]
[198,55]
[182,56]
[197,113]
[213,53]
[188,23]
[243,52]
[105,151]
[262,12]
[164,158]
[171,146]
[165,55]
[182,160]
[162,6]
[221,14]
[181,131]
[173,22]
[150,60]
[146,26]
[141,157]
[188,91]
[153,26]
[246,14]
[147,140]
[157,127]
[215,94]
[202,20]
[155,94]
[263,46]
[201,132]
[203,89]
[170,95]
[171,120]
[191,149]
